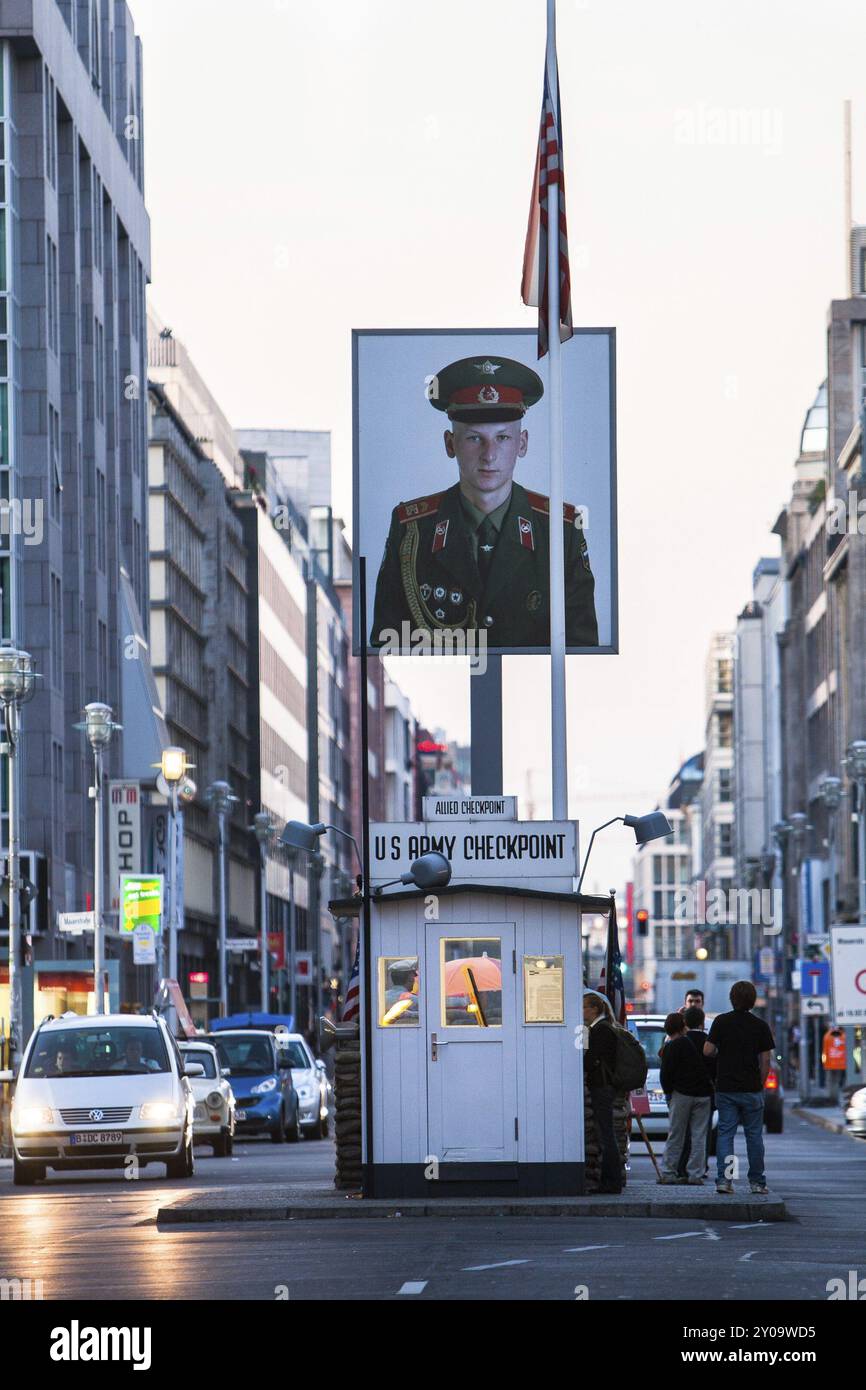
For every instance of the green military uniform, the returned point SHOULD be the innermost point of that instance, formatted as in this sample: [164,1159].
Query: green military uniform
[430,575]
[448,565]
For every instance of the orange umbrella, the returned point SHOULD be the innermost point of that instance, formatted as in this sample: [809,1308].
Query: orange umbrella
[486,971]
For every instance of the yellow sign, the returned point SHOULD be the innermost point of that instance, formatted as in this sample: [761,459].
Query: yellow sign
[140,901]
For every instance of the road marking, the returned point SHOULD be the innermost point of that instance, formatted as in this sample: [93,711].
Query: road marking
[681,1235]
[712,1235]
[748,1255]
[750,1226]
[414,1286]
[503,1264]
[576,1250]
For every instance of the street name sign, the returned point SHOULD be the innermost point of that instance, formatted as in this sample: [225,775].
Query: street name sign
[75,922]
[848,945]
[241,943]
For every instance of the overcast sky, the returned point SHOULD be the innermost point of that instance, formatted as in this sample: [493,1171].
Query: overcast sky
[312,167]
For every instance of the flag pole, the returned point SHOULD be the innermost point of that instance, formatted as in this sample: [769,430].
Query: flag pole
[558,732]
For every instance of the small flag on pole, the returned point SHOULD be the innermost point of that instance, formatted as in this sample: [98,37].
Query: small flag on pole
[352,1002]
[549,169]
[611,982]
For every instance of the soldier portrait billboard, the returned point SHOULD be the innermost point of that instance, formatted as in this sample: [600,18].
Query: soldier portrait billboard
[451,484]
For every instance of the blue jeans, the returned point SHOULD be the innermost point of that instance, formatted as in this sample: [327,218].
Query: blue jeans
[744,1108]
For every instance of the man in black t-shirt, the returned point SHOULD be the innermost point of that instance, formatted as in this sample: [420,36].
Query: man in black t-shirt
[743,1045]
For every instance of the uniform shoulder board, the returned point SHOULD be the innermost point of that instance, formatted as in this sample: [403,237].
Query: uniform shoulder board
[418,507]
[540,503]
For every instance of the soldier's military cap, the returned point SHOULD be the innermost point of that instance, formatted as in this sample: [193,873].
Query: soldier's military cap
[486,389]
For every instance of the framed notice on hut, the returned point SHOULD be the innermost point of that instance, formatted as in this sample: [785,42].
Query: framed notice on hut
[543,989]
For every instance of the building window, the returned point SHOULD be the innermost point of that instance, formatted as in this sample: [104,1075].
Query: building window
[50,121]
[55,475]
[52,296]
[725,729]
[724,676]
[99,395]
[56,632]
[725,783]
[726,841]
[100,521]
[102,660]
[57,779]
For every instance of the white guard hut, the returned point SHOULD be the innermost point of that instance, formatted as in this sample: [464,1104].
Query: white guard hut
[472,1017]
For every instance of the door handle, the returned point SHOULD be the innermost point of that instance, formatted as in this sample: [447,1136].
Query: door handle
[435,1044]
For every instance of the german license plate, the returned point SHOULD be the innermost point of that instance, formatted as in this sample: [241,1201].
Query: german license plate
[98,1136]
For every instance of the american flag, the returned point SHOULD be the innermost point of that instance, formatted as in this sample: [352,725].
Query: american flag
[352,1002]
[548,169]
[611,983]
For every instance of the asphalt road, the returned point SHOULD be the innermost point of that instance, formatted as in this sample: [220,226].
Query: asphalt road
[94,1236]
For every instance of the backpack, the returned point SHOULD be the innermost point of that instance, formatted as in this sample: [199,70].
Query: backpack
[630,1071]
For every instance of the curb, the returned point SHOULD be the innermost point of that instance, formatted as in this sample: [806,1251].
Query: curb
[832,1126]
[756,1209]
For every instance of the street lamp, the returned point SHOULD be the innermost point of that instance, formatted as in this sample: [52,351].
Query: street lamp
[221,798]
[430,871]
[854,764]
[653,826]
[100,728]
[17,686]
[297,834]
[263,829]
[175,783]
[830,792]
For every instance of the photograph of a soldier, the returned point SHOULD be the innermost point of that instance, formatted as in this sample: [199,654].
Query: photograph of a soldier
[473,555]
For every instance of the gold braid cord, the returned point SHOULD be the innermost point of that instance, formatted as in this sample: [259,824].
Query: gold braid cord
[421,614]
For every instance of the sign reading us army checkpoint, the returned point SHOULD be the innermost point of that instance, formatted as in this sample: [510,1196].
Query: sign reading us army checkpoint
[481,850]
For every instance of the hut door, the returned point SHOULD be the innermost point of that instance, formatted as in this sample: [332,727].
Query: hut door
[471,1048]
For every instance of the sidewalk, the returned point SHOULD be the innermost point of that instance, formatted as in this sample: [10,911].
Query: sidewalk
[642,1198]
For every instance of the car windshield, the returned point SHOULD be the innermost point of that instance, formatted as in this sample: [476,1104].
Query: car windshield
[248,1056]
[111,1050]
[651,1036]
[205,1058]
[297,1055]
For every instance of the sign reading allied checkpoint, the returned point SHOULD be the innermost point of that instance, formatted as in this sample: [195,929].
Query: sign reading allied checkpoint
[477,849]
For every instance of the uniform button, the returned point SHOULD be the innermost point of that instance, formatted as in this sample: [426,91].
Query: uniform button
[488,621]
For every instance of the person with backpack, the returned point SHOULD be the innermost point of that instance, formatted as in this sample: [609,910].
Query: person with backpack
[687,1087]
[615,1064]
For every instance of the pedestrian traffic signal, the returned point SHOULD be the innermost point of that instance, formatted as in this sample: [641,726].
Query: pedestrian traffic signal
[642,918]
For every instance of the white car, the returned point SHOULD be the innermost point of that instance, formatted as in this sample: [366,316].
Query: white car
[855,1113]
[214,1116]
[649,1029]
[93,1091]
[311,1082]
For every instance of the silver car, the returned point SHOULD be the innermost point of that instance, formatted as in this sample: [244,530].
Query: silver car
[312,1085]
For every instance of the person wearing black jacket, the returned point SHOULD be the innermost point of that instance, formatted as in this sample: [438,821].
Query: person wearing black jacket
[686,1084]
[600,1064]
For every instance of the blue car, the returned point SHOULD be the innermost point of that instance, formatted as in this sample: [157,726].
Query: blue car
[260,1072]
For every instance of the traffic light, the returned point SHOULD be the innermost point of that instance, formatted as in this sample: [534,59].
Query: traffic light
[32,894]
[642,919]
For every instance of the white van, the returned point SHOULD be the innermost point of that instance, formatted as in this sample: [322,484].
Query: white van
[93,1090]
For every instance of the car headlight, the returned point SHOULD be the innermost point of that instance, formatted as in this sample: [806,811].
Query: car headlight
[31,1117]
[265,1086]
[159,1110]
[214,1100]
